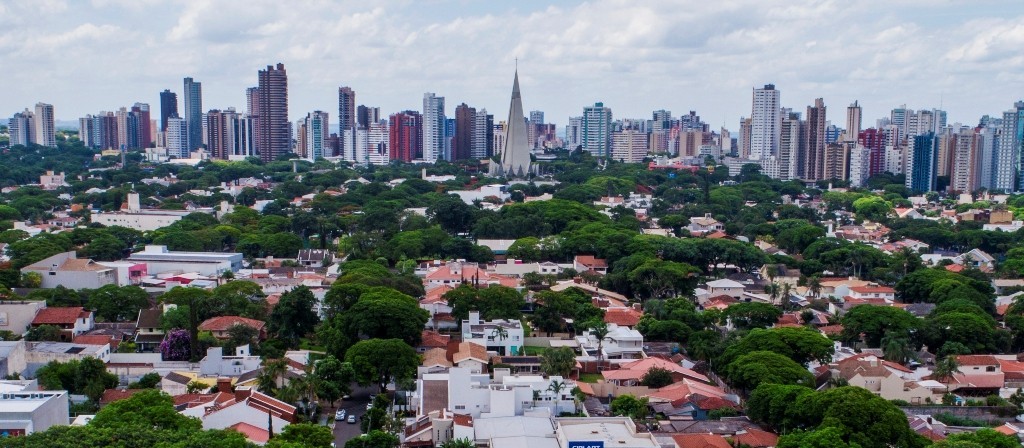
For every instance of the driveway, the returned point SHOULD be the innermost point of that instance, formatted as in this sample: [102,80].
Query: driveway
[355,405]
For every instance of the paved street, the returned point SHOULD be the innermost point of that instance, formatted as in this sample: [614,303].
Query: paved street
[356,405]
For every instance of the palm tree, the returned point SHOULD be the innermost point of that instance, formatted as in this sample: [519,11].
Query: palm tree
[786,287]
[268,380]
[773,291]
[600,331]
[500,333]
[945,369]
[556,387]
[814,285]
[896,348]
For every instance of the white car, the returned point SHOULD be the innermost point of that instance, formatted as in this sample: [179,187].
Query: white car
[369,406]
[340,415]
[352,418]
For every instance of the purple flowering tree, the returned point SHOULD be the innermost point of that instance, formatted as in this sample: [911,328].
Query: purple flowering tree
[175,346]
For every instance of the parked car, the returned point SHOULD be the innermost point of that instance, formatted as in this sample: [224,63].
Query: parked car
[369,406]
[352,418]
[340,415]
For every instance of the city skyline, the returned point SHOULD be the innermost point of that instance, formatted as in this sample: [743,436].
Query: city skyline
[677,56]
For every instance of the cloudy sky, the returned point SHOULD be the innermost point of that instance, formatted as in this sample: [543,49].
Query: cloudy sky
[85,56]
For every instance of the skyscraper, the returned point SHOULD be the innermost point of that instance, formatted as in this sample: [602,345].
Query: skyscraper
[465,128]
[921,163]
[176,136]
[597,129]
[316,125]
[1008,154]
[433,126]
[46,134]
[814,138]
[346,109]
[348,120]
[574,133]
[144,134]
[483,135]
[22,128]
[193,106]
[874,141]
[629,145]
[217,134]
[168,107]
[515,152]
[791,133]
[765,119]
[965,169]
[405,136]
[365,116]
[273,132]
[743,141]
[852,122]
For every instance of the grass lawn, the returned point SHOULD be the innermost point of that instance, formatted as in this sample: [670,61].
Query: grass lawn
[533,350]
[590,377]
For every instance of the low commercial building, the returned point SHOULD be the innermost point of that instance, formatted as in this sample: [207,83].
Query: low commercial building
[25,412]
[38,354]
[67,270]
[17,316]
[160,260]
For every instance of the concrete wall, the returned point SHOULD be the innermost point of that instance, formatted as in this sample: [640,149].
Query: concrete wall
[17,316]
[603,389]
[78,279]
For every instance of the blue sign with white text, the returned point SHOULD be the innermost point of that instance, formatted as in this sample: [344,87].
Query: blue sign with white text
[581,444]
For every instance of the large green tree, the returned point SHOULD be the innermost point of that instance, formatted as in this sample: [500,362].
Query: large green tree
[293,316]
[382,361]
[749,370]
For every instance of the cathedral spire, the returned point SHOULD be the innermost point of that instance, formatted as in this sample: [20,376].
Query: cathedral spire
[515,155]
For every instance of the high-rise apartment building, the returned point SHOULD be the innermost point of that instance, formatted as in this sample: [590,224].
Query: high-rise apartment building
[860,165]
[922,163]
[853,121]
[1008,156]
[874,141]
[144,135]
[465,128]
[366,115]
[21,128]
[193,108]
[483,135]
[965,171]
[176,136]
[765,119]
[347,109]
[273,131]
[316,126]
[629,145]
[790,144]
[988,147]
[836,161]
[217,134]
[168,107]
[433,127]
[596,129]
[405,141]
[743,141]
[46,132]
[574,133]
[815,141]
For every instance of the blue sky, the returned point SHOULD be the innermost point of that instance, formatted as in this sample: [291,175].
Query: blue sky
[86,56]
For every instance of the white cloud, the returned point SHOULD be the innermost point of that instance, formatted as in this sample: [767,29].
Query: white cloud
[635,56]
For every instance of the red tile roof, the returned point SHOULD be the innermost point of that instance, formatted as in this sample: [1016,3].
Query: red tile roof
[463,420]
[112,395]
[977,360]
[623,317]
[869,289]
[97,339]
[831,330]
[700,441]
[591,261]
[253,433]
[223,323]
[65,316]
[756,438]
[434,339]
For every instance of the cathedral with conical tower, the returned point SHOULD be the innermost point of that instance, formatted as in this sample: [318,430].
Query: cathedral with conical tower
[515,154]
